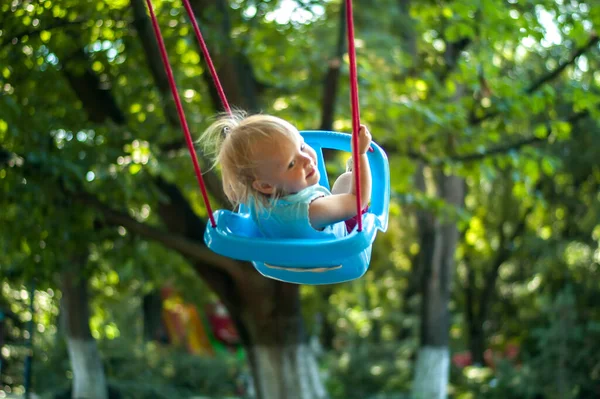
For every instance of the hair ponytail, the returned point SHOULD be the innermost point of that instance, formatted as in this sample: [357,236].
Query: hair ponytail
[230,142]
[212,139]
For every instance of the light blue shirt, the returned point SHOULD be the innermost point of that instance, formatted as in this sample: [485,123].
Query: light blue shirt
[287,217]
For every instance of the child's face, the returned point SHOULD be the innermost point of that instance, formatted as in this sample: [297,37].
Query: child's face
[286,165]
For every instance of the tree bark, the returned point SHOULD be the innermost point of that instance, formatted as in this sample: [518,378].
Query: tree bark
[95,96]
[154,328]
[233,67]
[282,362]
[432,368]
[476,341]
[478,310]
[475,328]
[431,372]
[287,371]
[89,381]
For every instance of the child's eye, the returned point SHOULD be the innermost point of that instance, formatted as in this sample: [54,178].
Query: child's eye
[302,147]
[291,165]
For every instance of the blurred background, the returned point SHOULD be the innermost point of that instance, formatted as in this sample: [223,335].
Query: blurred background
[486,284]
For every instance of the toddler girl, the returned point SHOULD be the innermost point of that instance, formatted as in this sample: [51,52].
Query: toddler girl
[266,165]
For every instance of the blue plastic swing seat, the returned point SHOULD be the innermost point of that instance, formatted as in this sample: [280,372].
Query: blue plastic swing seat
[309,261]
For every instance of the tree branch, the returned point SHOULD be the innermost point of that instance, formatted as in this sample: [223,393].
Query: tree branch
[58,23]
[331,80]
[500,150]
[211,178]
[151,50]
[474,120]
[234,68]
[406,29]
[188,248]
[503,254]
[452,56]
[143,27]
[553,74]
[186,240]
[97,99]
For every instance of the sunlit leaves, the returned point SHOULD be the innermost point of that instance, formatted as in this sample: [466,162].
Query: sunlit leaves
[45,36]
[561,130]
[459,31]
[584,100]
[117,3]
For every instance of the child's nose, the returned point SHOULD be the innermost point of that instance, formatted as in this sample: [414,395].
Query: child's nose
[307,160]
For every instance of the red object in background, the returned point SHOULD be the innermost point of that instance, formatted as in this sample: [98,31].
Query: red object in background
[511,351]
[221,324]
[464,359]
[184,324]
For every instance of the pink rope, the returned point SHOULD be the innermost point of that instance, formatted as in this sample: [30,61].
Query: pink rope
[207,58]
[180,112]
[355,109]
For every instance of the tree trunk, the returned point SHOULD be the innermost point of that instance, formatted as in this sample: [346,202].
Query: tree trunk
[89,381]
[154,329]
[431,372]
[474,322]
[283,364]
[479,302]
[432,368]
[272,330]
[477,342]
[286,371]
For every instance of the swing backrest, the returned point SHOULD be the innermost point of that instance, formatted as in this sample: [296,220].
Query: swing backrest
[380,172]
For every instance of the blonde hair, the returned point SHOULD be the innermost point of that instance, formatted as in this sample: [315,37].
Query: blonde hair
[231,141]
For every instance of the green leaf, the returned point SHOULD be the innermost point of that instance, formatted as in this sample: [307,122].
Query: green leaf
[541,131]
[135,168]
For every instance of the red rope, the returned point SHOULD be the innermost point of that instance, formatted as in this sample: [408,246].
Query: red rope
[207,58]
[355,109]
[184,125]
[205,52]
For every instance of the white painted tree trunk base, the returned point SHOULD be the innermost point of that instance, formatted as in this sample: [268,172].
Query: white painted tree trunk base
[288,373]
[431,374]
[89,381]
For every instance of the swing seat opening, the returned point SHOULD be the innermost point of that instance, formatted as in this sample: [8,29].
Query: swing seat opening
[308,261]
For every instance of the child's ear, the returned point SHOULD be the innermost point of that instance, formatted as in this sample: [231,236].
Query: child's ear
[263,187]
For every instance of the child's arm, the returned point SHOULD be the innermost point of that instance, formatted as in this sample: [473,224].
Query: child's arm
[334,208]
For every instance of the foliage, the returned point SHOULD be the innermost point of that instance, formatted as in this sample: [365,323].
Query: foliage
[366,370]
[504,94]
[146,371]
[134,369]
[558,359]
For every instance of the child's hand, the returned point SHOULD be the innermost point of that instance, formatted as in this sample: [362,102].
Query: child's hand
[364,139]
